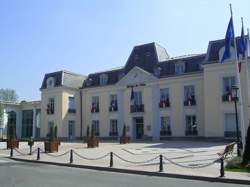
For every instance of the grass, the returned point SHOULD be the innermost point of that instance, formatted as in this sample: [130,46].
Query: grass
[235,165]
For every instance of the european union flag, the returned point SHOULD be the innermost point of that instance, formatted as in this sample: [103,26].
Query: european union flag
[243,42]
[228,38]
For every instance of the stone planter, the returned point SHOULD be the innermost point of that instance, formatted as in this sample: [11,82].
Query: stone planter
[12,143]
[124,140]
[51,146]
[93,142]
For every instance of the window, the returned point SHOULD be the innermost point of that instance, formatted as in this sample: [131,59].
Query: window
[138,98]
[95,104]
[165,126]
[71,130]
[51,106]
[103,79]
[50,127]
[137,105]
[27,123]
[191,125]
[164,98]
[179,68]
[95,127]
[113,103]
[189,96]
[228,82]
[72,105]
[50,82]
[157,72]
[113,128]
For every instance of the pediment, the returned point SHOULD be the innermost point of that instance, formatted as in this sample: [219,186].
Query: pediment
[136,76]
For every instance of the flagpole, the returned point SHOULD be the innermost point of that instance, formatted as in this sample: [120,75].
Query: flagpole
[246,67]
[242,123]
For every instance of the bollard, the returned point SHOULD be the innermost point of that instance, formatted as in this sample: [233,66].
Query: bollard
[222,172]
[38,154]
[71,156]
[161,164]
[11,152]
[30,150]
[111,160]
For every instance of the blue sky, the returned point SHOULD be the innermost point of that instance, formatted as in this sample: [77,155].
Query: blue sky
[85,36]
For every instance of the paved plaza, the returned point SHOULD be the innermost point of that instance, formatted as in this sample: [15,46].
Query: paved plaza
[187,158]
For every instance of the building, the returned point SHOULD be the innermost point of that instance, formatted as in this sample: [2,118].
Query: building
[180,97]
[25,116]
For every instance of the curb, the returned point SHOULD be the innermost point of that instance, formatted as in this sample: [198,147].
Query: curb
[139,172]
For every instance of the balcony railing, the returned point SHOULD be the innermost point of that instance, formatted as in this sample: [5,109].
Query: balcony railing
[193,132]
[164,104]
[50,110]
[113,133]
[190,102]
[72,110]
[113,108]
[165,133]
[228,98]
[231,134]
[95,109]
[137,108]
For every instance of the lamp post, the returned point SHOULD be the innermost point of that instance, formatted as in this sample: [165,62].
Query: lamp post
[235,89]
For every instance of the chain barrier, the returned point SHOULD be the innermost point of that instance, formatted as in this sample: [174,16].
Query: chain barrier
[136,162]
[51,155]
[86,158]
[191,167]
[21,153]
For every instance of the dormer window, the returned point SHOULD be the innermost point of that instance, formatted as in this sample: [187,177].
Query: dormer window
[157,72]
[103,79]
[179,68]
[148,54]
[89,82]
[50,82]
[136,57]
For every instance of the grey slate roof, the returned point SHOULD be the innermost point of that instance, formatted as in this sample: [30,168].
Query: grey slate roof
[64,78]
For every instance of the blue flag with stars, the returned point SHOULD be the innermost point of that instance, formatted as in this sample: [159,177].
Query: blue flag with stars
[229,37]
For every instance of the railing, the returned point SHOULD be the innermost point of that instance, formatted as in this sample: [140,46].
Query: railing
[113,108]
[95,109]
[228,98]
[164,104]
[71,110]
[165,133]
[137,108]
[231,134]
[50,110]
[190,102]
[113,133]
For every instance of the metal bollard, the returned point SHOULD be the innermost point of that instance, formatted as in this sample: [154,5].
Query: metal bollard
[161,164]
[111,160]
[222,172]
[38,154]
[11,152]
[30,150]
[71,156]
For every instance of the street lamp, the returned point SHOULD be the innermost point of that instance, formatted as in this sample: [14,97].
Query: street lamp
[235,89]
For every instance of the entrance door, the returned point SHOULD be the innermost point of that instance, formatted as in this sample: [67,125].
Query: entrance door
[139,127]
[71,129]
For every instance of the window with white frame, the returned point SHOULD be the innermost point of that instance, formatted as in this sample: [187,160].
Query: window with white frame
[72,105]
[189,95]
[228,82]
[164,98]
[113,128]
[95,104]
[103,79]
[51,106]
[191,125]
[138,98]
[180,68]
[165,126]
[95,127]
[113,103]
[50,83]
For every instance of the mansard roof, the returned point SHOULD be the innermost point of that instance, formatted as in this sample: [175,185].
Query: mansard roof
[64,78]
[148,57]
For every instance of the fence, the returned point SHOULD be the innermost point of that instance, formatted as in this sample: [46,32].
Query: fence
[72,153]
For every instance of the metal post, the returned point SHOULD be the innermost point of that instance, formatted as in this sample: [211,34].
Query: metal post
[38,154]
[161,164]
[237,124]
[71,156]
[222,172]
[30,150]
[11,152]
[111,163]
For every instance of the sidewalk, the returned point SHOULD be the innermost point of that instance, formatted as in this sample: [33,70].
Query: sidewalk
[186,156]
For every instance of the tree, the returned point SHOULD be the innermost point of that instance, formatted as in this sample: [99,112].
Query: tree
[8,95]
[246,154]
[87,131]
[124,130]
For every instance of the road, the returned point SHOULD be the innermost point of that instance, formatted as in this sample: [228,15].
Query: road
[20,174]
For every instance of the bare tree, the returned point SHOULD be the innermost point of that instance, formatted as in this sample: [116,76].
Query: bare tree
[8,95]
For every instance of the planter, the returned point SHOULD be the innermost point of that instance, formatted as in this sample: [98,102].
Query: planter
[93,142]
[124,140]
[58,141]
[12,143]
[51,146]
[85,139]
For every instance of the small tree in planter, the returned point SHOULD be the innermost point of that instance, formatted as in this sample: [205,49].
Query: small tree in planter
[30,144]
[12,141]
[124,139]
[92,141]
[51,145]
[246,154]
[87,135]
